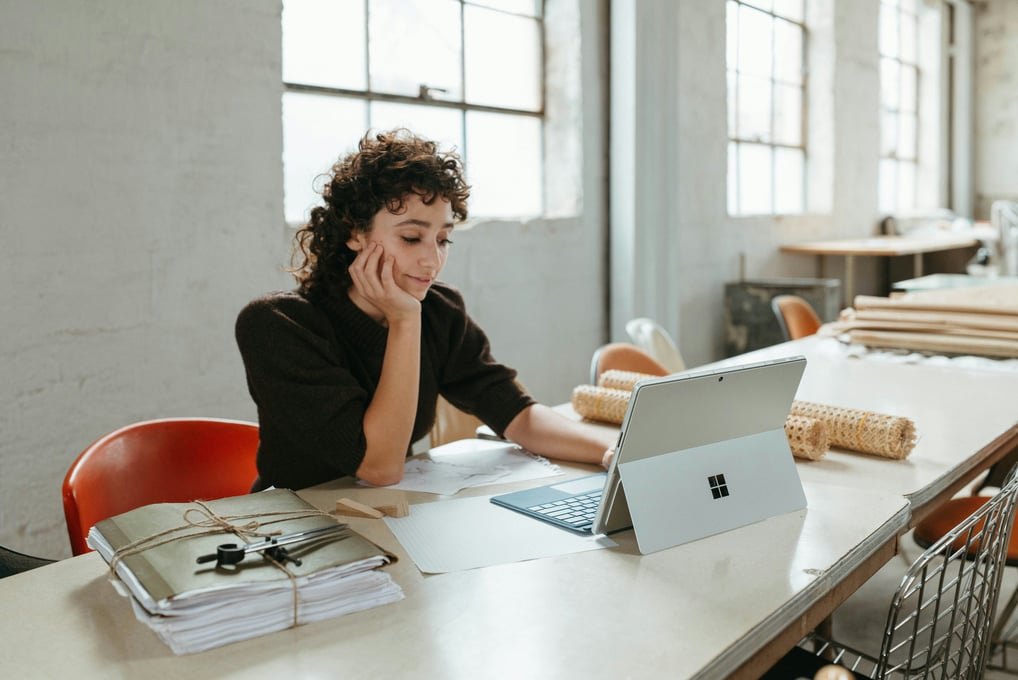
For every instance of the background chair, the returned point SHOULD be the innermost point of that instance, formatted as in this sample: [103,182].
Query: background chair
[938,624]
[158,461]
[796,317]
[649,336]
[938,523]
[623,357]
[13,562]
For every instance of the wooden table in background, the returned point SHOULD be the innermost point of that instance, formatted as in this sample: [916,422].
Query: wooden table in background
[879,246]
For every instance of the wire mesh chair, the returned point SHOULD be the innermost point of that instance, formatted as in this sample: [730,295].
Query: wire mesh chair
[939,622]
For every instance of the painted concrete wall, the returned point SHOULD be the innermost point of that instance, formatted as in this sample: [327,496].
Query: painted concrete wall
[996,104]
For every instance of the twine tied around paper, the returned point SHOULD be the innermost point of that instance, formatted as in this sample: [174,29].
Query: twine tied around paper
[213,524]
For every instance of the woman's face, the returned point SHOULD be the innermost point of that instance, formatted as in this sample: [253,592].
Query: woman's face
[418,239]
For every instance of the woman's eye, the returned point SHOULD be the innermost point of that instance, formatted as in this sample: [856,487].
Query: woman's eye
[411,239]
[445,243]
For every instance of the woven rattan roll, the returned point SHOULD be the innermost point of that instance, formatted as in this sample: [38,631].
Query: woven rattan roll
[601,403]
[807,437]
[876,433]
[622,380]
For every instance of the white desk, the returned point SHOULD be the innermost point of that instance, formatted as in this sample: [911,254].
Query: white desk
[726,606]
[699,610]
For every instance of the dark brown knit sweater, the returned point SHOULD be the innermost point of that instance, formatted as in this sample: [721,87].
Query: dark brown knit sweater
[313,365]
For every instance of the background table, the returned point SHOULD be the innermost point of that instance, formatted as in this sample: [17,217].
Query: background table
[879,246]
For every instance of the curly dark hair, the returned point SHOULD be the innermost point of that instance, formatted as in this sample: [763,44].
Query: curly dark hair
[386,168]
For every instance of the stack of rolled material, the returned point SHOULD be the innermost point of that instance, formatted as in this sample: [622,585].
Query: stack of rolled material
[811,428]
[876,433]
[601,403]
[807,437]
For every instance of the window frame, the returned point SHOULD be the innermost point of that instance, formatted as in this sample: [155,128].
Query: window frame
[893,158]
[425,94]
[735,194]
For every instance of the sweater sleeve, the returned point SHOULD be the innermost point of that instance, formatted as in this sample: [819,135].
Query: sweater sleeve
[471,379]
[310,407]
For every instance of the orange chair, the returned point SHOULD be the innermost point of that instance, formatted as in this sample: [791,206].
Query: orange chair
[795,316]
[622,356]
[158,461]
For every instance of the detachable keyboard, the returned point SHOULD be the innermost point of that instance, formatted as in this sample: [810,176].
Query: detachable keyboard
[577,512]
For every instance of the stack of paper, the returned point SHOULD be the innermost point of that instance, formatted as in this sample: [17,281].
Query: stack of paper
[193,607]
[980,320]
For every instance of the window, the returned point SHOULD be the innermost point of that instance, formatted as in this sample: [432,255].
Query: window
[467,73]
[766,104]
[899,105]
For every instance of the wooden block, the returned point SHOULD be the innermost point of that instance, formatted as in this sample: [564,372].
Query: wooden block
[351,508]
[401,509]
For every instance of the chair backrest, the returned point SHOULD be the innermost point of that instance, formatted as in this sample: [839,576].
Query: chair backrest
[648,335]
[622,356]
[452,424]
[158,461]
[940,619]
[796,317]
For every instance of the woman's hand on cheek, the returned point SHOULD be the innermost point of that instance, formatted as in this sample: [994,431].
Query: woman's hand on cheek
[373,278]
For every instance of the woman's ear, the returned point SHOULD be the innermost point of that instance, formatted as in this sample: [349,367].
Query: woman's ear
[356,241]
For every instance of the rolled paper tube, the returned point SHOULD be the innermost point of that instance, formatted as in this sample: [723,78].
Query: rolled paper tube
[807,437]
[866,431]
[601,403]
[622,380]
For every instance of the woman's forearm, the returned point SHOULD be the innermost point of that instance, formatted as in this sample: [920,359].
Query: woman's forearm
[544,431]
[389,418]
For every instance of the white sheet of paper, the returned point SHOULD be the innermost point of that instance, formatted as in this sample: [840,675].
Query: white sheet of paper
[469,533]
[472,462]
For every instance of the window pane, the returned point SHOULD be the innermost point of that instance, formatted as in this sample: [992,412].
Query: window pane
[492,79]
[888,31]
[733,178]
[787,52]
[531,8]
[789,181]
[888,186]
[441,125]
[788,115]
[906,186]
[504,184]
[888,133]
[890,86]
[317,35]
[415,43]
[316,132]
[754,109]
[790,9]
[762,4]
[733,128]
[754,42]
[755,180]
[908,38]
[732,35]
[906,136]
[908,99]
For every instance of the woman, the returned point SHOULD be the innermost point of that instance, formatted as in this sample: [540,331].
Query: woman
[346,370]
